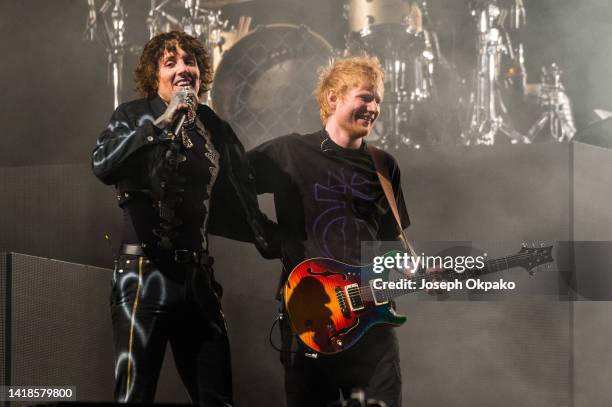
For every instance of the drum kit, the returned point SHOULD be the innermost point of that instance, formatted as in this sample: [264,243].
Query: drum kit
[264,77]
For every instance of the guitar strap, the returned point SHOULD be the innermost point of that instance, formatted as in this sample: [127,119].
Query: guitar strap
[385,181]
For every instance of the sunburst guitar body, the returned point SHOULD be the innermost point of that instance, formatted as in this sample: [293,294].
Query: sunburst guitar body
[328,307]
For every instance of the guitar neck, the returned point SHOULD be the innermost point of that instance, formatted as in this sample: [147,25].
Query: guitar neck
[490,266]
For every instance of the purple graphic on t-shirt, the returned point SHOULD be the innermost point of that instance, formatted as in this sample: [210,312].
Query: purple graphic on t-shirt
[352,200]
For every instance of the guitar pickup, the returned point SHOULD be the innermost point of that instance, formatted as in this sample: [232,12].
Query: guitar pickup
[354,297]
[379,296]
[344,307]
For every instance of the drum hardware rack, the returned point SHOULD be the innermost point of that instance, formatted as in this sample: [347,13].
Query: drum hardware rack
[402,35]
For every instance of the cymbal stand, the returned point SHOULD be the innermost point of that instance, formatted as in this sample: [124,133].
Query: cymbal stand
[488,117]
[397,104]
[203,23]
[199,22]
[557,119]
[158,20]
[425,61]
[113,17]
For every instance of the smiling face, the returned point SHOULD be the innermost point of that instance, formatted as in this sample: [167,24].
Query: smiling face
[176,69]
[356,111]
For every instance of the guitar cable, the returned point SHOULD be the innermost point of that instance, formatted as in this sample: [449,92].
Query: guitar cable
[279,317]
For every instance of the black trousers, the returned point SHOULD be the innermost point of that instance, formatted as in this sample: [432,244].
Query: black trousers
[149,309]
[371,365]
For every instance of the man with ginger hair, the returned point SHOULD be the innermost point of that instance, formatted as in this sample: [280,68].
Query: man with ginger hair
[328,200]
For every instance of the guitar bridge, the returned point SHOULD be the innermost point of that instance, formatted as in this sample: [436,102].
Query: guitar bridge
[354,297]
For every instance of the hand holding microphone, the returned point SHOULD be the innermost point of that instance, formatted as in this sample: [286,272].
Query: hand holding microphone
[181,110]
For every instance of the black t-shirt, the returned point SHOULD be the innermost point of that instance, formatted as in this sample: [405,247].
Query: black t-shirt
[199,172]
[328,199]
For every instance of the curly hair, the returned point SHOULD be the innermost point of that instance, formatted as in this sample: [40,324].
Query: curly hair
[344,75]
[145,74]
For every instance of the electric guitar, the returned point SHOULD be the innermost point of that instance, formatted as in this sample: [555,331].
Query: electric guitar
[331,304]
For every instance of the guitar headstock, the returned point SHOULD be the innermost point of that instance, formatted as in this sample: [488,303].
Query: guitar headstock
[533,256]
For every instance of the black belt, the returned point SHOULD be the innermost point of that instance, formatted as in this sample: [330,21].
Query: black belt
[181,256]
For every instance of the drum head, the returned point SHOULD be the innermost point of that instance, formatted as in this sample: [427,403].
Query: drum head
[263,86]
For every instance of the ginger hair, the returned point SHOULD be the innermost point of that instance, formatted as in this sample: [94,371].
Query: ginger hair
[344,75]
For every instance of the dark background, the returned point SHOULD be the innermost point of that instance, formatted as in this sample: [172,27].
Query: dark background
[56,99]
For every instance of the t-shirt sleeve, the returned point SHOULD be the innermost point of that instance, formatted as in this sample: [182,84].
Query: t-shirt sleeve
[388,229]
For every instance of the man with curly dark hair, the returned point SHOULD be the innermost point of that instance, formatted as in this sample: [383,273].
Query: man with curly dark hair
[180,174]
[145,74]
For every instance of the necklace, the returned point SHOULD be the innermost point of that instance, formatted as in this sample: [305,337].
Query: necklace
[185,139]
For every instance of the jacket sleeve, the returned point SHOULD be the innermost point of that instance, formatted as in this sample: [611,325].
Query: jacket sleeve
[125,134]
[235,212]
[266,160]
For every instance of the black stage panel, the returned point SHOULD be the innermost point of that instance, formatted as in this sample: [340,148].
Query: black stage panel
[56,320]
[485,353]
[592,256]
[55,332]
[4,321]
[592,176]
[497,193]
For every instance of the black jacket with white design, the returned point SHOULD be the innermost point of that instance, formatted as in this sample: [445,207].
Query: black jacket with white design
[128,152]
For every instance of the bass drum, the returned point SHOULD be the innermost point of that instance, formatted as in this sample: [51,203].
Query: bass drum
[263,86]
[364,14]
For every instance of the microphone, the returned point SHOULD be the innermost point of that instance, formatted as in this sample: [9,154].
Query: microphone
[177,125]
[325,148]
[182,114]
